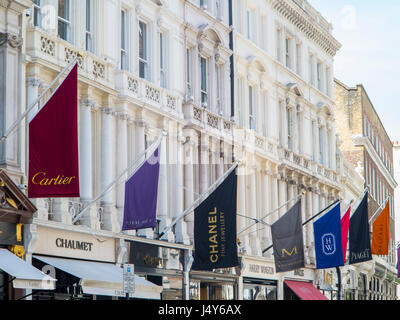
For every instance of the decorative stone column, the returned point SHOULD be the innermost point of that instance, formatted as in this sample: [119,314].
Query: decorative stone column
[108,151]
[181,235]
[282,194]
[33,84]
[162,201]
[189,198]
[254,240]
[122,162]
[266,199]
[241,208]
[204,162]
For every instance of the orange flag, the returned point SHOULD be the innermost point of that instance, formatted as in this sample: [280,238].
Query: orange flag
[380,233]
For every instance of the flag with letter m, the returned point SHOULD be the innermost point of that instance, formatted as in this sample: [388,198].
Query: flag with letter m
[287,239]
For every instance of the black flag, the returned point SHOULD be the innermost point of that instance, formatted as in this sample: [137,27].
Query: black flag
[287,240]
[215,228]
[359,239]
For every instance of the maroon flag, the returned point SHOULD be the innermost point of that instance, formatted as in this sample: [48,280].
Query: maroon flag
[53,144]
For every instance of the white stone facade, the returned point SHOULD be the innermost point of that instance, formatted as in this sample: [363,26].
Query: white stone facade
[147,66]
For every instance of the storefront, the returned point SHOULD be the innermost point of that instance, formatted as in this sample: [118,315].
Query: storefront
[328,283]
[84,265]
[218,285]
[161,263]
[299,285]
[259,280]
[16,275]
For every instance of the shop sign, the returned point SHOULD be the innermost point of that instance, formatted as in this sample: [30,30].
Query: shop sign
[154,256]
[252,268]
[64,243]
[11,234]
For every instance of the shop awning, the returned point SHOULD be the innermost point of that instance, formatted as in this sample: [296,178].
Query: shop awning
[305,290]
[26,276]
[101,278]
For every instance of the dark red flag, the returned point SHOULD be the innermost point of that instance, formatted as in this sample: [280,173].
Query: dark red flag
[53,144]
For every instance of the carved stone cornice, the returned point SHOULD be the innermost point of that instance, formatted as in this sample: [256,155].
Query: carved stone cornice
[307,25]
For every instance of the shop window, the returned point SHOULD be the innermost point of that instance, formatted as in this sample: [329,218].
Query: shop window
[202,290]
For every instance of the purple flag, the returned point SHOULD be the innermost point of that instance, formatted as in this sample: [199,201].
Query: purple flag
[141,195]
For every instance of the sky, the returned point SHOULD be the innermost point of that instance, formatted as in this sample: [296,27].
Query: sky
[370,55]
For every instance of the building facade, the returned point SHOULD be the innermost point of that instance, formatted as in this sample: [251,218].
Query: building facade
[226,81]
[368,148]
[283,59]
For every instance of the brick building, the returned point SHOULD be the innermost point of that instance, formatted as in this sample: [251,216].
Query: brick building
[367,146]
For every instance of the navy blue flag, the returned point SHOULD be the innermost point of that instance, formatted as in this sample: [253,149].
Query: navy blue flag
[215,244]
[328,240]
[359,238]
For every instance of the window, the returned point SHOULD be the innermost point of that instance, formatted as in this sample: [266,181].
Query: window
[263,32]
[143,51]
[188,71]
[249,25]
[289,128]
[218,12]
[298,58]
[287,52]
[163,72]
[314,156]
[238,16]
[124,54]
[203,82]
[321,146]
[203,4]
[64,23]
[319,76]
[327,79]
[263,114]
[218,84]
[278,44]
[299,121]
[37,17]
[251,108]
[89,26]
[311,68]
[240,101]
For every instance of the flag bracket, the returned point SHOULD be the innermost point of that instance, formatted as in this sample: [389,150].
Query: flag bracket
[108,188]
[308,220]
[198,200]
[34,103]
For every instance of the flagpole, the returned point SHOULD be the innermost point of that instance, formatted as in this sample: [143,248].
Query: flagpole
[34,103]
[307,221]
[139,158]
[271,212]
[198,200]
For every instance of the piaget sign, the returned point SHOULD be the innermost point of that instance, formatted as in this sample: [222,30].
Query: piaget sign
[63,243]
